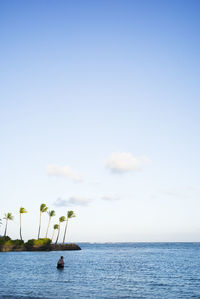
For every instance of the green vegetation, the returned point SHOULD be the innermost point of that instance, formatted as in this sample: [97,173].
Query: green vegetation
[51,214]
[70,214]
[56,226]
[5,238]
[7,241]
[61,219]
[43,209]
[7,244]
[21,211]
[38,244]
[7,217]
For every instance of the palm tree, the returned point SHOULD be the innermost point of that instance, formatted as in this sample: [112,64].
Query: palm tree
[51,214]
[70,214]
[21,211]
[7,217]
[56,226]
[43,209]
[61,219]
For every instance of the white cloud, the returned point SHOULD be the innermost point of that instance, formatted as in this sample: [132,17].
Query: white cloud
[124,162]
[72,201]
[66,171]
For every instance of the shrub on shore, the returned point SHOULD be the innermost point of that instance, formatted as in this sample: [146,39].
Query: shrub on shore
[38,242]
[4,239]
[8,242]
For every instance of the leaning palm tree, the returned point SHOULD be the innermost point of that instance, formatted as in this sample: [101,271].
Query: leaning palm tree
[21,211]
[56,226]
[70,214]
[61,219]
[7,217]
[51,214]
[43,209]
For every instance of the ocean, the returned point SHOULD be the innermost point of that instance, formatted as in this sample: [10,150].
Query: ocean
[118,270]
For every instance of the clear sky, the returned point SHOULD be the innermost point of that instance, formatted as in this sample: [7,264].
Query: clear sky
[99,113]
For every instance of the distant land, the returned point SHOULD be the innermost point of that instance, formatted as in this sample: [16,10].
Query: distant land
[6,244]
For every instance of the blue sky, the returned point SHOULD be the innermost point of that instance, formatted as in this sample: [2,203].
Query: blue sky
[99,113]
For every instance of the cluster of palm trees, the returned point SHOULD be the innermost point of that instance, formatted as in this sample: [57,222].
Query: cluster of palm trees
[51,213]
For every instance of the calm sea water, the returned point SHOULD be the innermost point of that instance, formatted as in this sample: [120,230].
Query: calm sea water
[123,270]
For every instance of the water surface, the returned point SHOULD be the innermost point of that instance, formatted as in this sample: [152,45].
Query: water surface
[122,270]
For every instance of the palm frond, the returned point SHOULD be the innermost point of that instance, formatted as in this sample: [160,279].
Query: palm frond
[62,219]
[71,214]
[51,213]
[56,226]
[9,216]
[43,208]
[22,210]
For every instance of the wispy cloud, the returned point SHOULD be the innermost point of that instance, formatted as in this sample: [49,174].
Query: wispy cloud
[125,162]
[72,201]
[66,172]
[110,197]
[83,201]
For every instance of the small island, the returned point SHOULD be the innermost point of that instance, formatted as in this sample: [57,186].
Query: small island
[39,244]
[6,244]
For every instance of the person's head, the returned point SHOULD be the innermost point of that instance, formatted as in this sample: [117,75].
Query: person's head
[61,257]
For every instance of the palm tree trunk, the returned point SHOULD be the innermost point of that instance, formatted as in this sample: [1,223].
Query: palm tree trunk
[48,227]
[6,228]
[58,235]
[52,235]
[39,225]
[20,231]
[65,231]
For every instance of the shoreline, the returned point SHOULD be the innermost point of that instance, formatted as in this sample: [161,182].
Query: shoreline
[49,247]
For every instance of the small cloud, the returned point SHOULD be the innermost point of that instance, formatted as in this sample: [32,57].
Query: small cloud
[110,198]
[125,162]
[60,202]
[72,201]
[66,172]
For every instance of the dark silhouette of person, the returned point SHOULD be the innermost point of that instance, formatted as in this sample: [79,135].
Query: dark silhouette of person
[60,263]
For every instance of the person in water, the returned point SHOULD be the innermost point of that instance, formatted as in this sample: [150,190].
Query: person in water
[60,263]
